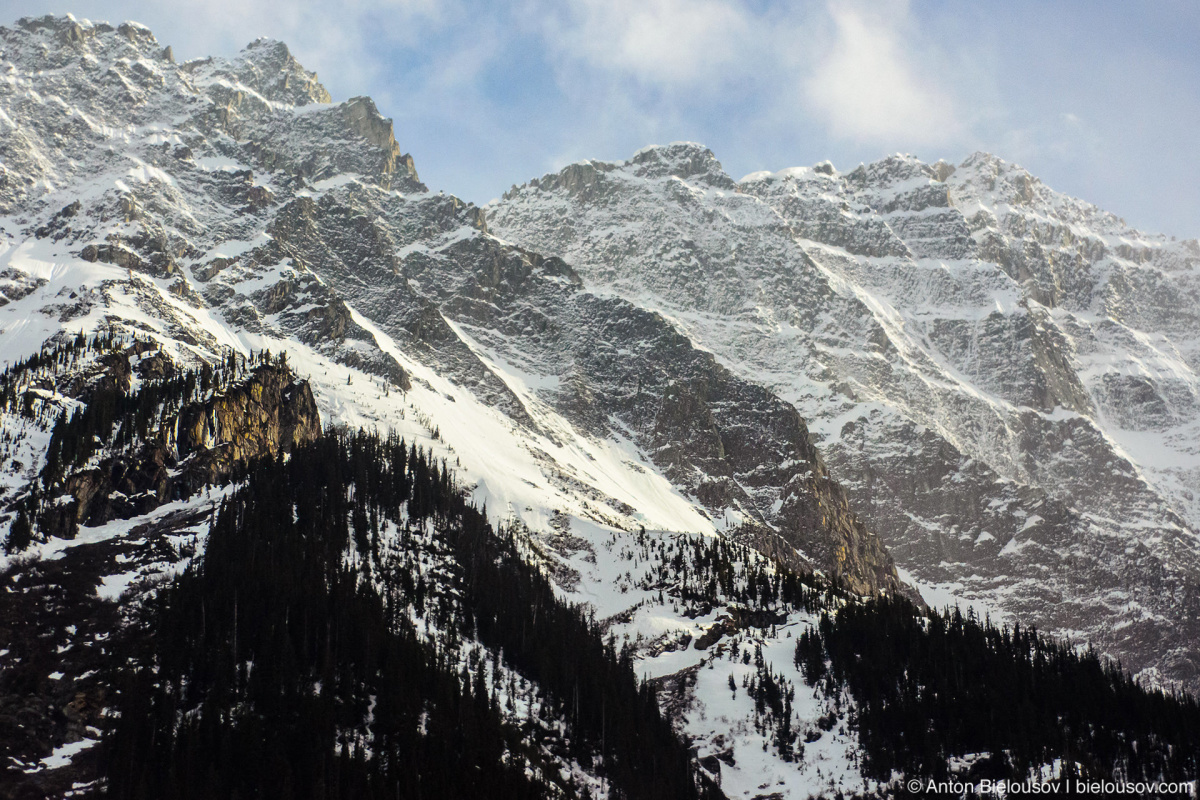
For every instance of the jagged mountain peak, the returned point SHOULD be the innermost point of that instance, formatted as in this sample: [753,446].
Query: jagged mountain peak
[983,158]
[633,383]
[72,30]
[270,68]
[876,175]
[687,160]
[995,368]
[55,41]
[1004,181]
[71,119]
[265,65]
[890,171]
[269,48]
[981,179]
[991,181]
[821,170]
[286,222]
[590,179]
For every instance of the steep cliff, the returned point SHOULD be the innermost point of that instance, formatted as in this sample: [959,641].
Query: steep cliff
[119,450]
[1004,379]
[633,370]
[266,215]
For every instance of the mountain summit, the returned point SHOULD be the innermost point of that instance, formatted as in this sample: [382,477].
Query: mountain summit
[1005,379]
[640,482]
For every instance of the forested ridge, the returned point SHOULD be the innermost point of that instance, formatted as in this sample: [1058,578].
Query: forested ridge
[930,686]
[355,628]
[291,656]
[287,662]
[128,428]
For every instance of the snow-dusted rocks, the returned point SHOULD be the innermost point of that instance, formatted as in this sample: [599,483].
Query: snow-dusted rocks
[238,203]
[1004,378]
[642,359]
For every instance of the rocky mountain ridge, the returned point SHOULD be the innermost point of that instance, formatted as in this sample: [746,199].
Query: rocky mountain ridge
[611,405]
[285,248]
[1004,378]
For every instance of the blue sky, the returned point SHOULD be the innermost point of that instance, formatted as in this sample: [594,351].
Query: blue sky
[1100,100]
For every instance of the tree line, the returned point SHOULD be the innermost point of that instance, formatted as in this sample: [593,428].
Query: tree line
[287,661]
[929,686]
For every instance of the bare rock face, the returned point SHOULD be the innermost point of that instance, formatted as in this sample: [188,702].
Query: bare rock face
[739,447]
[970,350]
[364,117]
[743,453]
[270,68]
[267,414]
[959,343]
[296,219]
[947,368]
[336,223]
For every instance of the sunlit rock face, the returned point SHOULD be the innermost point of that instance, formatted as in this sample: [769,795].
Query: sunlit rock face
[1003,378]
[217,202]
[623,365]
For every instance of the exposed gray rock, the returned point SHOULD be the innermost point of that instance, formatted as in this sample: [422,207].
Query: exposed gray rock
[962,344]
[1004,378]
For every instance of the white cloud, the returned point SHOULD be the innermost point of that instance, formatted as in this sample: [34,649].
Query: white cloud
[866,82]
[869,88]
[653,41]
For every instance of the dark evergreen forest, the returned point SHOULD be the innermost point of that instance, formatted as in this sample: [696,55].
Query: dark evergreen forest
[269,655]
[293,658]
[929,686]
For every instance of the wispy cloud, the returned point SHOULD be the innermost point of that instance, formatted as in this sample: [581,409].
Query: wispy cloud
[654,41]
[857,70]
[870,87]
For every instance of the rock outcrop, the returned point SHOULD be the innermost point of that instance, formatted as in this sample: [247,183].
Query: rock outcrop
[1004,379]
[987,368]
[268,413]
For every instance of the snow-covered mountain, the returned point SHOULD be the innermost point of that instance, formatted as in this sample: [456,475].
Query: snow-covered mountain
[223,204]
[1006,379]
[621,366]
[217,207]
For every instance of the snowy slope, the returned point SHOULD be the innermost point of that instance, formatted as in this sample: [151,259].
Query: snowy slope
[227,206]
[240,210]
[1006,379]
[642,347]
